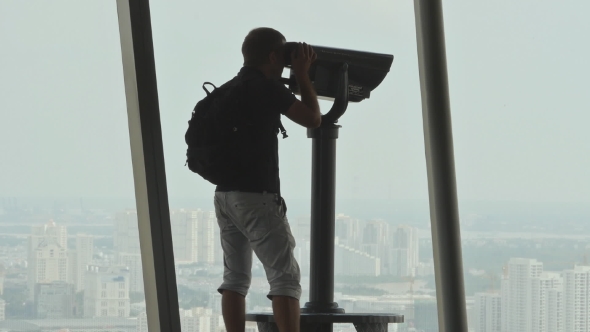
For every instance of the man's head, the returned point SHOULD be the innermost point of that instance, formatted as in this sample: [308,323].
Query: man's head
[263,49]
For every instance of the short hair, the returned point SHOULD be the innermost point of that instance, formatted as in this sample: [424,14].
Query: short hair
[259,44]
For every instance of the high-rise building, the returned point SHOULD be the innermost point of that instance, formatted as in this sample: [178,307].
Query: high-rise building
[79,259]
[142,323]
[50,231]
[206,227]
[521,272]
[470,311]
[301,253]
[184,235]
[576,299]
[2,310]
[193,235]
[505,294]
[47,255]
[126,237]
[350,261]
[488,312]
[217,324]
[106,292]
[133,263]
[128,251]
[531,300]
[217,250]
[374,238]
[2,273]
[348,230]
[195,320]
[54,300]
[539,299]
[403,253]
[49,263]
[301,227]
[215,302]
[555,309]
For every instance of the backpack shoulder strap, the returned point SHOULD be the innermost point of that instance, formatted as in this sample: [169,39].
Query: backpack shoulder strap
[240,82]
[282,129]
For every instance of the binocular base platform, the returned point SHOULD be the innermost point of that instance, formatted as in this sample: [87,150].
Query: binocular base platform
[313,322]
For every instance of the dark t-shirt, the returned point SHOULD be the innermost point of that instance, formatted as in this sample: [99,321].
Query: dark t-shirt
[266,100]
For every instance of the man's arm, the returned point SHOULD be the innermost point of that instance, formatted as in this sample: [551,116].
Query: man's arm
[307,111]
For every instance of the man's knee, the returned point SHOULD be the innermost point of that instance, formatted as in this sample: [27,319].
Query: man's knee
[231,290]
[286,286]
[237,285]
[231,293]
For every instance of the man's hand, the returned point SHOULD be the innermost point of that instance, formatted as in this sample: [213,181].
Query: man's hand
[302,58]
[307,111]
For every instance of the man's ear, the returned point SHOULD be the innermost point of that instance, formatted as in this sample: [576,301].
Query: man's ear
[273,57]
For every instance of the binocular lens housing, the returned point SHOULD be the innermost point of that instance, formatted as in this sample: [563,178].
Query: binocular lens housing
[366,71]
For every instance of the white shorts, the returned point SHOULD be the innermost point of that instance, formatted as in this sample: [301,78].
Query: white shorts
[256,222]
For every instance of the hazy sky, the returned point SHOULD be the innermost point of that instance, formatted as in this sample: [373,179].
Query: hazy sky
[518,74]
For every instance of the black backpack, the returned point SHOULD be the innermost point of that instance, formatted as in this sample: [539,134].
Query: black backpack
[219,139]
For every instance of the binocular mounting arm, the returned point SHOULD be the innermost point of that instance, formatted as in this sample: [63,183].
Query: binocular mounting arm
[341,101]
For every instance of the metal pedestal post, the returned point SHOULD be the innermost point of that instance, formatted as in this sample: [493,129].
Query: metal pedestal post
[323,205]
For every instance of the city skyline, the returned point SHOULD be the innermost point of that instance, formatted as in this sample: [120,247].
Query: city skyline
[534,300]
[107,281]
[547,296]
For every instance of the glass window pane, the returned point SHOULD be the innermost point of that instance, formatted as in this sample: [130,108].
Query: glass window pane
[383,217]
[69,246]
[517,75]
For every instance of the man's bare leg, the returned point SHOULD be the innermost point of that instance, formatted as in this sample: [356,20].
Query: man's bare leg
[233,309]
[286,313]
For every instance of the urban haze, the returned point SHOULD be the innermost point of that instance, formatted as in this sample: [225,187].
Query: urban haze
[518,79]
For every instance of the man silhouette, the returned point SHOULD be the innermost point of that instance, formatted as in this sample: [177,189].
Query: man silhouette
[251,212]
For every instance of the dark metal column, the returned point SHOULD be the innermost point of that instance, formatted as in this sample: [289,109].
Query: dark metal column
[323,206]
[149,174]
[444,215]
[323,203]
